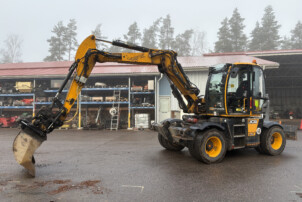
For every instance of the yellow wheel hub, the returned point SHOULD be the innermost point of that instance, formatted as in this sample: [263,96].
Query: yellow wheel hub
[213,147]
[276,141]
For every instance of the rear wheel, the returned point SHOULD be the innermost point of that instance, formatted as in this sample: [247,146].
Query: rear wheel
[169,145]
[209,147]
[273,141]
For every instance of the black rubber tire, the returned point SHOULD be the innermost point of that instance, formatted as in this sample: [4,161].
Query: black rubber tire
[199,147]
[191,148]
[169,145]
[266,144]
[259,148]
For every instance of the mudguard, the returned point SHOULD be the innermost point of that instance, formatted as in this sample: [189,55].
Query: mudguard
[289,130]
[202,126]
[268,124]
[163,126]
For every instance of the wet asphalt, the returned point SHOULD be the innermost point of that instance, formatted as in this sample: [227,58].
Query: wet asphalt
[82,165]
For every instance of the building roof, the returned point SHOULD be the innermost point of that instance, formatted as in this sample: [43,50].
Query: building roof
[283,57]
[60,69]
[259,53]
[191,63]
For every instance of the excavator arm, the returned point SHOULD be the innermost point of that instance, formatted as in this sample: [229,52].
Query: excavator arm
[49,118]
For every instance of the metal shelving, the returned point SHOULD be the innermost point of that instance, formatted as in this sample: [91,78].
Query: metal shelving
[89,89]
[18,95]
[85,103]
[94,91]
[105,103]
[142,107]
[100,89]
[141,93]
[16,107]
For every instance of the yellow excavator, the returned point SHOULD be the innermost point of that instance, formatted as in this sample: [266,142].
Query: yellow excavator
[231,115]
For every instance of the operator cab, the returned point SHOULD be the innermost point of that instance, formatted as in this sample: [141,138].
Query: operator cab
[235,89]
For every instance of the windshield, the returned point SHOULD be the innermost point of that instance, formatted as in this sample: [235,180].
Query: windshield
[258,83]
[217,68]
[215,92]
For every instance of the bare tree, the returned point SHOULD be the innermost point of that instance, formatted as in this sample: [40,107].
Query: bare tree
[12,51]
[199,45]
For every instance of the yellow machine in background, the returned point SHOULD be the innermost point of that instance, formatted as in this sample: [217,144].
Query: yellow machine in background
[24,87]
[230,115]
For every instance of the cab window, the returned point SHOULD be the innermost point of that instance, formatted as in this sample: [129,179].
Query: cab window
[238,90]
[258,89]
[215,92]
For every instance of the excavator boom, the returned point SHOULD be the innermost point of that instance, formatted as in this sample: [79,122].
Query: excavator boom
[47,119]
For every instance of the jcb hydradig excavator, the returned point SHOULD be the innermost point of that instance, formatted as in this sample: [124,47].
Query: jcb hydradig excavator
[229,116]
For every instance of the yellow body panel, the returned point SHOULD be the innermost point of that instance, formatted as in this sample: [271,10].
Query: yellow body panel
[76,87]
[252,126]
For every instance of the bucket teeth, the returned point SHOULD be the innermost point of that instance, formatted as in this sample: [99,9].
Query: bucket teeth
[24,147]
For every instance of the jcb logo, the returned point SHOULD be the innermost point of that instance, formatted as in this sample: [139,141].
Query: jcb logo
[253,122]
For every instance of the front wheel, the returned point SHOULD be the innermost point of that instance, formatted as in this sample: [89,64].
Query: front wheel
[169,145]
[209,146]
[273,141]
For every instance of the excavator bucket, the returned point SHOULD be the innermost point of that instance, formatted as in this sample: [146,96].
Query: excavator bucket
[24,147]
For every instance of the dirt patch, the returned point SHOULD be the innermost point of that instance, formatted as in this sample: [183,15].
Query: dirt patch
[299,194]
[40,184]
[91,184]
[63,188]
[65,185]
[61,181]
[3,183]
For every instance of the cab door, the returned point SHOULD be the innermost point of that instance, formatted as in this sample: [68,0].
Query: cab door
[239,90]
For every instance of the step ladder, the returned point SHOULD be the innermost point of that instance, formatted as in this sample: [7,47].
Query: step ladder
[239,136]
[115,110]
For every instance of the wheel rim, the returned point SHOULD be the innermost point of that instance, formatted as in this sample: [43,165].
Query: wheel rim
[213,147]
[276,140]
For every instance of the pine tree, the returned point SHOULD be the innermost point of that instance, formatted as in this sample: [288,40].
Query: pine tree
[133,36]
[150,35]
[224,43]
[166,34]
[57,43]
[98,34]
[296,37]
[270,30]
[256,38]
[70,37]
[286,43]
[182,43]
[237,37]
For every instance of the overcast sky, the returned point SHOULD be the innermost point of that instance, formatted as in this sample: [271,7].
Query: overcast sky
[33,20]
